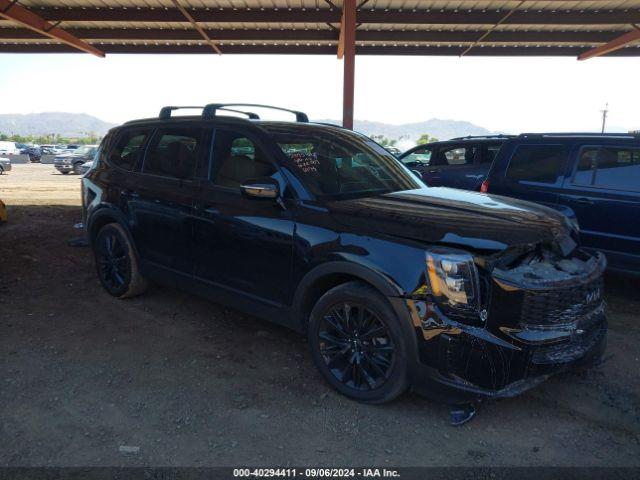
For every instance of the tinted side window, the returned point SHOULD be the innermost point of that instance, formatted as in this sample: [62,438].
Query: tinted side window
[422,155]
[126,151]
[457,156]
[489,153]
[173,152]
[586,166]
[536,163]
[618,169]
[236,158]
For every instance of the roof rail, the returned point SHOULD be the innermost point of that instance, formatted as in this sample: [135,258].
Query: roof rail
[165,112]
[209,111]
[580,134]
[475,137]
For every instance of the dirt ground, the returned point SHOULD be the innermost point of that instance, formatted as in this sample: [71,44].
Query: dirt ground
[192,383]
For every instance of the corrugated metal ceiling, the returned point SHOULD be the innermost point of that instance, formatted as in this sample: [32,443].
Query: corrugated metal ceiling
[391,24]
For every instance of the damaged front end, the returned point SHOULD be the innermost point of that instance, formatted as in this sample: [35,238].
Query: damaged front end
[503,323]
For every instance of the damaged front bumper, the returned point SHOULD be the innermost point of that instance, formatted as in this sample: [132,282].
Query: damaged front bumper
[529,333]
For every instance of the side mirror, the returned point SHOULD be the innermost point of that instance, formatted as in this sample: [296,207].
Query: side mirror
[265,187]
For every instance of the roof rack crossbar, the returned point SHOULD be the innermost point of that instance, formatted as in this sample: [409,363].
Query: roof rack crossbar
[165,112]
[209,111]
[250,115]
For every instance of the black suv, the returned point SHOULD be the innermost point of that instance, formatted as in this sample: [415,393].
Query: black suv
[458,163]
[591,178]
[315,227]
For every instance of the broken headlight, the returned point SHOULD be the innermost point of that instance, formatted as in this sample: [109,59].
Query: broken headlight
[453,279]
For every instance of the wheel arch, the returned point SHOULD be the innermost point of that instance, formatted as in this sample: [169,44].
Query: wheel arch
[103,215]
[324,277]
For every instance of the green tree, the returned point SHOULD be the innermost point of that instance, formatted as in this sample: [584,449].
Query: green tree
[426,138]
[384,141]
[87,139]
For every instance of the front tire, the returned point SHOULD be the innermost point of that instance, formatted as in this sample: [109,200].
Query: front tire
[357,343]
[117,263]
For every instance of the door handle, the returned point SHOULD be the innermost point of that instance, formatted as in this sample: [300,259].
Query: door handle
[584,201]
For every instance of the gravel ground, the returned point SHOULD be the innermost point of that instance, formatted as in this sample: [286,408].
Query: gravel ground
[190,383]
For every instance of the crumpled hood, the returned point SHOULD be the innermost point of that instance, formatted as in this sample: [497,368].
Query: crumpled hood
[454,217]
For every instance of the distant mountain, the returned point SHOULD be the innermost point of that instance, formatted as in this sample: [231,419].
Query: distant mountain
[46,123]
[441,129]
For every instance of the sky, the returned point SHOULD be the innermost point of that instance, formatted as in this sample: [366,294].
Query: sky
[511,95]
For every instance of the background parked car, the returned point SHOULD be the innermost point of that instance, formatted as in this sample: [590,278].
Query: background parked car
[49,150]
[84,168]
[72,160]
[9,148]
[459,163]
[593,177]
[5,165]
[23,147]
[395,151]
[35,153]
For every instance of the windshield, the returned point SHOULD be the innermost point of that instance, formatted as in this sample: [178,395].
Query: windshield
[86,150]
[335,164]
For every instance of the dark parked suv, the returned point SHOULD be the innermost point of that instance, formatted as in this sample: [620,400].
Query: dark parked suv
[593,178]
[458,163]
[320,229]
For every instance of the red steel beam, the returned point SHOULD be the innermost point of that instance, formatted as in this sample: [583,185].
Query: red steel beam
[348,34]
[195,25]
[385,36]
[10,10]
[161,48]
[341,39]
[615,44]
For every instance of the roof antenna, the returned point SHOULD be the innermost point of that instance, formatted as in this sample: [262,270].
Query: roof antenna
[604,116]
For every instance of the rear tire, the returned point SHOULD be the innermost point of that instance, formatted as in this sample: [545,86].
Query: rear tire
[357,343]
[117,263]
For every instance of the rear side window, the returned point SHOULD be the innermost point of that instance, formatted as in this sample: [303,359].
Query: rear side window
[536,163]
[173,152]
[127,150]
[237,158]
[489,153]
[618,169]
[455,156]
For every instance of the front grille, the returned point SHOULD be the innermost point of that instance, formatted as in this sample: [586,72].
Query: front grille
[561,305]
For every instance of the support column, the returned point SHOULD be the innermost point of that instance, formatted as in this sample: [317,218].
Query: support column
[348,37]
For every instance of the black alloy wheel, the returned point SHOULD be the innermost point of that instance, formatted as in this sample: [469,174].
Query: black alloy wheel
[359,344]
[356,346]
[116,262]
[113,265]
